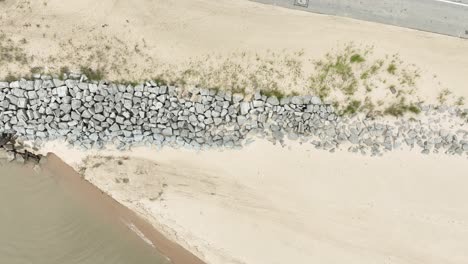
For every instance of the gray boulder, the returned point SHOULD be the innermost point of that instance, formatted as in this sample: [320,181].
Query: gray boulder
[99,117]
[244,108]
[62,91]
[273,100]
[22,102]
[167,131]
[75,104]
[237,97]
[18,92]
[315,100]
[257,103]
[86,114]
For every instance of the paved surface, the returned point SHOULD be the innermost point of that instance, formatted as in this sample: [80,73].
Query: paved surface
[449,17]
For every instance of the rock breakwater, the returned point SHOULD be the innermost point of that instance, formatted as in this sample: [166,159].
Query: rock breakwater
[11,150]
[90,114]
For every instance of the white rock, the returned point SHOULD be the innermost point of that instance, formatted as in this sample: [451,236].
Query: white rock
[244,108]
[272,100]
[315,100]
[62,91]
[22,102]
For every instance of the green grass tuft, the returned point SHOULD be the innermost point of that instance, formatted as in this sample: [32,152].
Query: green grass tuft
[400,109]
[356,58]
[352,107]
[94,75]
[127,82]
[238,90]
[160,81]
[414,109]
[36,70]
[63,70]
[11,78]
[274,92]
[392,68]
[443,96]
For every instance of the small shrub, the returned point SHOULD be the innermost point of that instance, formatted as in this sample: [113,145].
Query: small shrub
[215,88]
[392,89]
[391,69]
[460,101]
[94,75]
[400,109]
[368,106]
[356,58]
[97,165]
[352,107]
[36,70]
[275,92]
[442,97]
[11,78]
[323,92]
[160,81]
[394,110]
[414,109]
[64,70]
[364,75]
[351,88]
[238,90]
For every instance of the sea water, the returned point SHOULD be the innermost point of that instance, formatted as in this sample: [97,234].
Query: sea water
[41,222]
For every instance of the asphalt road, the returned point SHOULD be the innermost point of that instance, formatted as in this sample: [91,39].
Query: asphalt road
[449,17]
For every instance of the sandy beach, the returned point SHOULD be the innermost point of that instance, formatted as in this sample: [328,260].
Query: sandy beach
[268,204]
[264,203]
[136,40]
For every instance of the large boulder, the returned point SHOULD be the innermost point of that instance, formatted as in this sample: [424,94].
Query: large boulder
[62,91]
[272,100]
[244,108]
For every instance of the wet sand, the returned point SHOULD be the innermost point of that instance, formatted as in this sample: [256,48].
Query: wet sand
[108,207]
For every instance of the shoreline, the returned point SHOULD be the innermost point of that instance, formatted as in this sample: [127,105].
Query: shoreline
[97,198]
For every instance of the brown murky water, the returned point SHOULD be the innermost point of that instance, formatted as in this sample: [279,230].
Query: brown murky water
[43,222]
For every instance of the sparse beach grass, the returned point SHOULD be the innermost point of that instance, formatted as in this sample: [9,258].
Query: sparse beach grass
[93,74]
[351,77]
[353,80]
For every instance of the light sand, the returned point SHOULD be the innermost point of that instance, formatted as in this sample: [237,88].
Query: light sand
[140,39]
[268,204]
